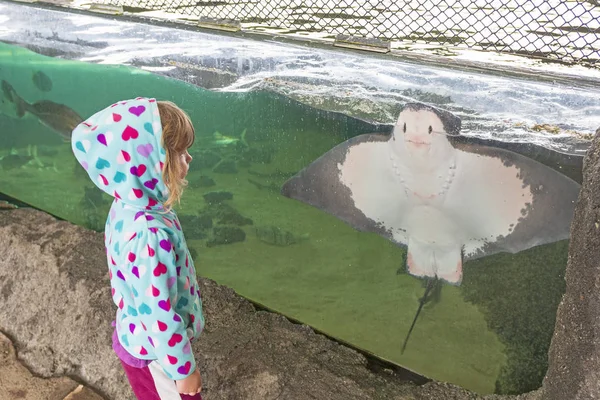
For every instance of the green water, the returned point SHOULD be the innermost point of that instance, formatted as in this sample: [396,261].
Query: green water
[489,335]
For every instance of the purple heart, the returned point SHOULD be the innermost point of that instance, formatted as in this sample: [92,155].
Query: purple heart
[137,111]
[176,318]
[120,275]
[84,165]
[131,328]
[145,149]
[187,348]
[184,369]
[165,244]
[192,290]
[102,139]
[178,271]
[138,214]
[171,281]
[149,217]
[150,340]
[151,184]
[164,305]
[154,230]
[135,271]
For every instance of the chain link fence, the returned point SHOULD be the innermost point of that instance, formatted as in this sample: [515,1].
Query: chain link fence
[566,30]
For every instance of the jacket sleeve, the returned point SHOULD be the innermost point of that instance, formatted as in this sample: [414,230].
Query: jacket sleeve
[153,254]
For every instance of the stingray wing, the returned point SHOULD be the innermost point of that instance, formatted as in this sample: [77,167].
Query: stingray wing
[509,202]
[352,168]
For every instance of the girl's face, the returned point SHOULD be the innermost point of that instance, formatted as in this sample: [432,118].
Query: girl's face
[184,163]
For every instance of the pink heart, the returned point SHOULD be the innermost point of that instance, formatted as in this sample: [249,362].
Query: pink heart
[137,111]
[162,326]
[160,269]
[176,338]
[138,193]
[116,117]
[172,360]
[145,149]
[129,133]
[187,348]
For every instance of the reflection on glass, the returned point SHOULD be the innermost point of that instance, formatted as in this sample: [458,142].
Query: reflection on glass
[489,334]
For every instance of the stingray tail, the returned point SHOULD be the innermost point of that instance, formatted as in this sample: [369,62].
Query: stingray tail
[431,284]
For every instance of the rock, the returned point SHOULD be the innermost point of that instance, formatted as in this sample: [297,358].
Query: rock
[225,214]
[17,382]
[217,197]
[279,237]
[202,181]
[243,353]
[204,159]
[574,356]
[195,227]
[226,235]
[233,217]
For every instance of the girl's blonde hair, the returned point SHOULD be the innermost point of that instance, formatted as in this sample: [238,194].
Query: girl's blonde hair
[178,136]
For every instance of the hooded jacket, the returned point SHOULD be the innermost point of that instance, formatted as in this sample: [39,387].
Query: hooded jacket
[152,275]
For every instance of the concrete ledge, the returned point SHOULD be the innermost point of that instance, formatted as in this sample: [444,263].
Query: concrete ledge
[56,301]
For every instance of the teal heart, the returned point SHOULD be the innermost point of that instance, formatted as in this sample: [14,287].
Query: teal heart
[145,309]
[132,311]
[119,226]
[182,302]
[116,248]
[124,340]
[135,292]
[148,127]
[119,177]
[102,163]
[80,147]
[162,151]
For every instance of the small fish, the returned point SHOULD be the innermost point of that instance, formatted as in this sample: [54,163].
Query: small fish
[222,140]
[58,117]
[42,81]
[13,161]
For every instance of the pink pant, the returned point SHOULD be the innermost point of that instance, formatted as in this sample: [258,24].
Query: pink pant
[151,383]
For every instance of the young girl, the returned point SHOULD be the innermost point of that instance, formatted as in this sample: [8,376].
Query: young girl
[136,151]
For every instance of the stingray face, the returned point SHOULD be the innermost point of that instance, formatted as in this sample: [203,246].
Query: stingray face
[420,129]
[421,134]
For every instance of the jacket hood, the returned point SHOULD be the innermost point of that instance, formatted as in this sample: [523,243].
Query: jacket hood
[120,148]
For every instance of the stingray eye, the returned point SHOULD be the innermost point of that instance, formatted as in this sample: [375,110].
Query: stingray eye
[404,127]
[430,129]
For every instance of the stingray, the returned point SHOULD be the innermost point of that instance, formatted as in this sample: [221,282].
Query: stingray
[445,200]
